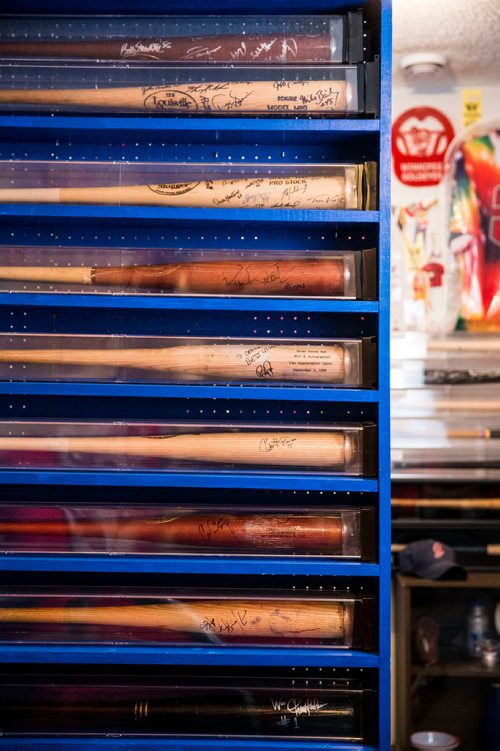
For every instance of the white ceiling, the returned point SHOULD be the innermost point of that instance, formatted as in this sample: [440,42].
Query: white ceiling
[466,31]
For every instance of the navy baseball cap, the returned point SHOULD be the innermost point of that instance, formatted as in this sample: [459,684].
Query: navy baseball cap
[430,559]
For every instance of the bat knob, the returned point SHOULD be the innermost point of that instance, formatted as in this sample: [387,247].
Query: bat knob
[347,275]
[347,364]
[349,449]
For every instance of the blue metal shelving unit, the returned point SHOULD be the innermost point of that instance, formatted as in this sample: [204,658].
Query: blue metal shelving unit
[117,744]
[238,140]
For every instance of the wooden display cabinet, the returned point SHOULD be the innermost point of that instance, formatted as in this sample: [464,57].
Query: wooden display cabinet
[447,712]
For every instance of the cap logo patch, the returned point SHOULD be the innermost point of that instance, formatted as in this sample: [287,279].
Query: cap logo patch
[438,550]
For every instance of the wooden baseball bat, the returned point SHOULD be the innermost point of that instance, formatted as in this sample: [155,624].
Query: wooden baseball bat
[327,191]
[448,503]
[315,363]
[459,377]
[203,97]
[233,48]
[485,433]
[459,344]
[235,710]
[250,618]
[328,450]
[303,276]
[463,405]
[295,532]
[471,549]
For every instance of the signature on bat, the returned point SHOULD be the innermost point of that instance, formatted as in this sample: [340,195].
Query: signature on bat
[287,48]
[220,625]
[298,707]
[270,444]
[150,49]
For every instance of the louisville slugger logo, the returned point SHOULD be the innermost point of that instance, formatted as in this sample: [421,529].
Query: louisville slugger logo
[173,189]
[163,100]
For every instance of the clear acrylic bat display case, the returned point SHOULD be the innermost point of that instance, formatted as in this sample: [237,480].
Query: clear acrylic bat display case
[471,362]
[333,363]
[446,442]
[233,39]
[454,369]
[191,185]
[341,274]
[344,449]
[335,532]
[330,705]
[285,91]
[181,616]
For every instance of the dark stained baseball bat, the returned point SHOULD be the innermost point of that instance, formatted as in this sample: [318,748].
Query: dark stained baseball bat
[326,450]
[329,191]
[281,47]
[457,377]
[323,363]
[304,276]
[276,618]
[233,710]
[314,533]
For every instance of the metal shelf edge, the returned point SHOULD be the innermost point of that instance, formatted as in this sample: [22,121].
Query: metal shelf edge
[154,213]
[120,478]
[116,743]
[166,655]
[219,564]
[221,391]
[29,299]
[96,122]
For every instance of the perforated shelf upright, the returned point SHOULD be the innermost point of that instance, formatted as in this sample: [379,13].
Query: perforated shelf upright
[208,140]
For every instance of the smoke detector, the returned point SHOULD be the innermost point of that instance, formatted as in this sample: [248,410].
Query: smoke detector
[423,63]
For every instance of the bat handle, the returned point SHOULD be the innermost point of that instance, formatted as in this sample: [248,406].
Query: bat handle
[30,195]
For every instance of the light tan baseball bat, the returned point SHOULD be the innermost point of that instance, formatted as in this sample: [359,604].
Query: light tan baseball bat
[327,191]
[466,344]
[486,549]
[464,405]
[272,619]
[323,363]
[296,532]
[449,503]
[232,97]
[318,449]
[303,276]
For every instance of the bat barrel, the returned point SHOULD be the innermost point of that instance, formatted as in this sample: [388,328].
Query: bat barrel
[283,277]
